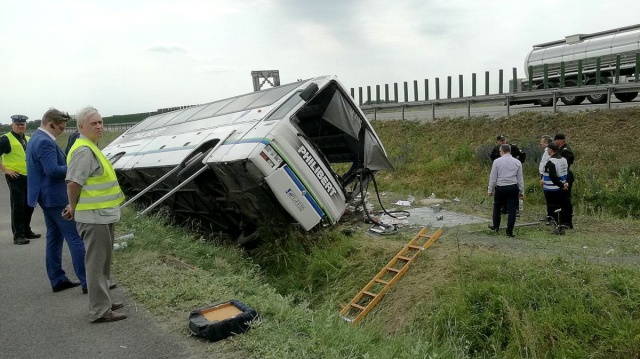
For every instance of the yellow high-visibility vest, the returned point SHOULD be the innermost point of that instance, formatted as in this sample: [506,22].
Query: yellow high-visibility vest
[102,191]
[16,160]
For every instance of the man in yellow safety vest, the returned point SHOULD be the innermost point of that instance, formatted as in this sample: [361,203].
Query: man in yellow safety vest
[94,199]
[13,146]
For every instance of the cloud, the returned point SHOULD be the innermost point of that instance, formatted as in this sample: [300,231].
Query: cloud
[166,49]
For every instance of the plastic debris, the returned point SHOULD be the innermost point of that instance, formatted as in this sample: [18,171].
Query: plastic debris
[120,245]
[403,203]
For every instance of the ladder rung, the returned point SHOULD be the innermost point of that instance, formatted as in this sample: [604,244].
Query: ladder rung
[370,294]
[424,236]
[357,306]
[405,258]
[382,281]
[393,270]
[416,247]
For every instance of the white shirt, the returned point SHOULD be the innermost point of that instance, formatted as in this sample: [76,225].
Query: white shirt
[543,161]
[506,171]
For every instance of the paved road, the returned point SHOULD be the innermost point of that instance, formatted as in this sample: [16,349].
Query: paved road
[37,323]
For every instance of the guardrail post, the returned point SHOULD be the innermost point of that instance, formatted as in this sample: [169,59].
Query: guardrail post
[360,96]
[448,86]
[609,97]
[508,106]
[598,62]
[437,88]
[415,90]
[562,74]
[637,66]
[468,108]
[375,113]
[545,78]
[395,92]
[377,94]
[406,92]
[426,90]
[433,111]
[386,93]
[473,84]
[515,80]
[500,82]
[617,69]
[460,86]
[369,95]
[486,82]
[402,112]
[555,101]
[579,72]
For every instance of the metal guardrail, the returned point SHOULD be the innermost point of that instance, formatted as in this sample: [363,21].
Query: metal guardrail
[508,98]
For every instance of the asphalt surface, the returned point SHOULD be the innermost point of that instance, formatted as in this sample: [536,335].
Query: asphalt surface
[37,323]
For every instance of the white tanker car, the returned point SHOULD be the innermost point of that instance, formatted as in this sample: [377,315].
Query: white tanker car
[606,45]
[265,156]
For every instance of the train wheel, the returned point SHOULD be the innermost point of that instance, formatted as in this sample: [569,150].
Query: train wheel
[625,96]
[597,99]
[545,102]
[548,101]
[572,100]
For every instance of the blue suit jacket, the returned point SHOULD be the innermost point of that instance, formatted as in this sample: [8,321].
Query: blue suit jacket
[46,171]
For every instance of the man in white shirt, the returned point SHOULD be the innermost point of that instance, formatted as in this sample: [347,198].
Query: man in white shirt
[508,184]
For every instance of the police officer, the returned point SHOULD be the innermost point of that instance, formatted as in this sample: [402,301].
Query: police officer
[565,151]
[515,151]
[13,147]
[555,184]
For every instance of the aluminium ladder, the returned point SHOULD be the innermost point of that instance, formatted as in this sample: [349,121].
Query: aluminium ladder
[373,292]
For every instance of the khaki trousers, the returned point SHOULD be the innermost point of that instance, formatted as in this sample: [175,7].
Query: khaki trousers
[98,240]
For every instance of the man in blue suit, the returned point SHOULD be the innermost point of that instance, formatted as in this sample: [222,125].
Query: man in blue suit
[47,168]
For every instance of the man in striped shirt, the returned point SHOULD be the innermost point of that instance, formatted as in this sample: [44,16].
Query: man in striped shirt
[508,184]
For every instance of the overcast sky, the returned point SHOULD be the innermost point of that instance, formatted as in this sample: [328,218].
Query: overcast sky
[130,56]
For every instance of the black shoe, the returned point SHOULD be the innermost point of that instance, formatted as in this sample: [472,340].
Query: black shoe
[65,285]
[21,241]
[117,305]
[32,235]
[492,228]
[112,286]
[510,234]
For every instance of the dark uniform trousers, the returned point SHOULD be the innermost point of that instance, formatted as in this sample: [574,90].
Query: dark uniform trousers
[20,212]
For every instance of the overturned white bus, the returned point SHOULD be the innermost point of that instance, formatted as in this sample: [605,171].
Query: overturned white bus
[266,155]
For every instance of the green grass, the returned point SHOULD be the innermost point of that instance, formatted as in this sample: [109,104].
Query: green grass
[471,295]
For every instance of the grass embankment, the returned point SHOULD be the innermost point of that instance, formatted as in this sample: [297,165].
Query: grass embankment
[472,295]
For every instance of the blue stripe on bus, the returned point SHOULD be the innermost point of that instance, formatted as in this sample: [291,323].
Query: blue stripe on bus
[295,179]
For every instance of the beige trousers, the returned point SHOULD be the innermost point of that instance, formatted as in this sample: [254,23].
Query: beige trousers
[98,240]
